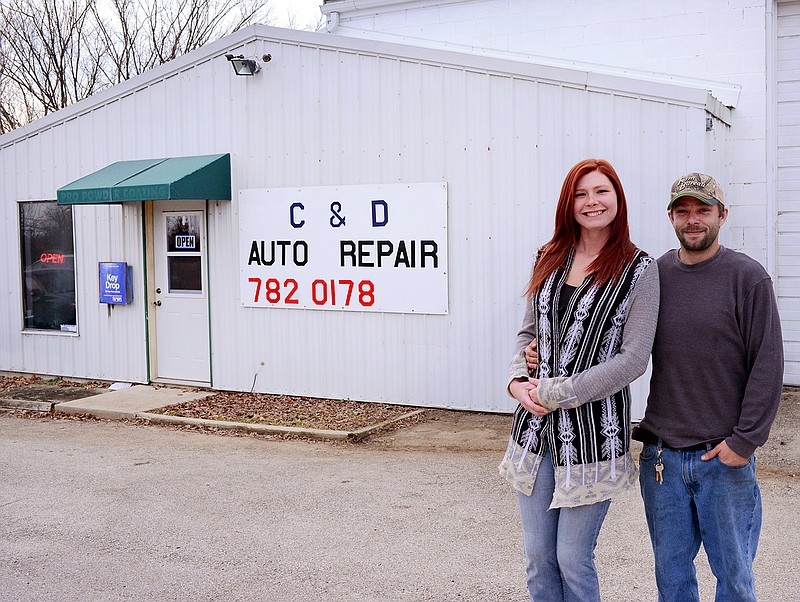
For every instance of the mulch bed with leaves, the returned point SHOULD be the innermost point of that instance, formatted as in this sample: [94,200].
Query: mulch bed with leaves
[9,383]
[288,410]
[256,408]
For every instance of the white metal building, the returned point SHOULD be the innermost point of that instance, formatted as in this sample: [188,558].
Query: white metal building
[453,159]
[747,52]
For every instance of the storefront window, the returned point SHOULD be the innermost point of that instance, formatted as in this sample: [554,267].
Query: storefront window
[48,266]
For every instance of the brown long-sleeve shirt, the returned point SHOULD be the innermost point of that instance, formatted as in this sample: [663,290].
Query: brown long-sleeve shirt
[717,354]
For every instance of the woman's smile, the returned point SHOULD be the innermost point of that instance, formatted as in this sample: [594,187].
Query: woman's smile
[595,202]
[594,213]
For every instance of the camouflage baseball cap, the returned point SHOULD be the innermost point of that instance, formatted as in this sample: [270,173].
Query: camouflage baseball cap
[699,186]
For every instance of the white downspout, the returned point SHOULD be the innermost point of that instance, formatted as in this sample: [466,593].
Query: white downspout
[333,22]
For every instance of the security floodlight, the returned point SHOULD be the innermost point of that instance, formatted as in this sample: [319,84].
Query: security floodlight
[243,66]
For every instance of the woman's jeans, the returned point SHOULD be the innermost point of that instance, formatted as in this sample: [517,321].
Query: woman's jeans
[559,543]
[701,501]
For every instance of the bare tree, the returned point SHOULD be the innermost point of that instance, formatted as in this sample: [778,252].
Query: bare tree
[46,61]
[56,52]
[292,21]
[8,117]
[139,34]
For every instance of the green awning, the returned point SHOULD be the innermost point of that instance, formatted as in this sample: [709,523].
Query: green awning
[179,178]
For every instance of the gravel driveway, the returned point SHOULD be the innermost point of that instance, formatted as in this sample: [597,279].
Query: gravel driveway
[106,511]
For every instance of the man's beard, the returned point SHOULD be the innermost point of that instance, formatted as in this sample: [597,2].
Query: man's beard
[701,244]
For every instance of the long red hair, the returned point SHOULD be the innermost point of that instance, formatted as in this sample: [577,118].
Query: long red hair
[618,249]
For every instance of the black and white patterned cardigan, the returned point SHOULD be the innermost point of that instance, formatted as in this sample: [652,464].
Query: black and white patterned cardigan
[585,382]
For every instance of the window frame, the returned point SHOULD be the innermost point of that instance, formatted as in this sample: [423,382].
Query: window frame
[26,330]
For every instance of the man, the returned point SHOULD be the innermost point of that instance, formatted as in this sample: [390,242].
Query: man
[714,392]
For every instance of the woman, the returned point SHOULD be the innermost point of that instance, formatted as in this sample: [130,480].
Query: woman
[592,309]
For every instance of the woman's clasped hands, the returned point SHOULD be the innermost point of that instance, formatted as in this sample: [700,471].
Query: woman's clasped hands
[525,391]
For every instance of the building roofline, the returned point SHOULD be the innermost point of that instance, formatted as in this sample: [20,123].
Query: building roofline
[725,92]
[500,63]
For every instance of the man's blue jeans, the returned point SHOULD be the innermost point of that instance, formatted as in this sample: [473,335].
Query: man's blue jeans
[701,501]
[559,543]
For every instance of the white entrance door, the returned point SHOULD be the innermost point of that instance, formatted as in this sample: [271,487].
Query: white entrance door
[180,303]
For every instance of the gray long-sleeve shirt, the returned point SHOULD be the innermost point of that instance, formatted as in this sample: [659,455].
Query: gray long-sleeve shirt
[717,354]
[608,377]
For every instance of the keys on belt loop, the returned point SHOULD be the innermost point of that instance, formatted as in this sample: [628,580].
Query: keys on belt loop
[659,465]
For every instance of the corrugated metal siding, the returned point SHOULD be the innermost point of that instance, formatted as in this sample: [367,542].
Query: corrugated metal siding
[789,184]
[362,113]
[503,144]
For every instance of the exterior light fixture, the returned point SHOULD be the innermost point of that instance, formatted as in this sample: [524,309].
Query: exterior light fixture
[243,66]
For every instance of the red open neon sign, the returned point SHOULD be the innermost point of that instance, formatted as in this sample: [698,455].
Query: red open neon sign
[51,258]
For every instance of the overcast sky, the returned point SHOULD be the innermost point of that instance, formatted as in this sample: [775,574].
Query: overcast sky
[306,12]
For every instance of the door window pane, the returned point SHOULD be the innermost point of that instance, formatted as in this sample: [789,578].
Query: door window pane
[185,274]
[183,233]
[48,266]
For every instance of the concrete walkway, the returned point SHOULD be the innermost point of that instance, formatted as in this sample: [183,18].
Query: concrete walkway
[128,403]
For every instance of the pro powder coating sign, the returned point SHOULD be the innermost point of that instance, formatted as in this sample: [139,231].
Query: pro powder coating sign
[376,248]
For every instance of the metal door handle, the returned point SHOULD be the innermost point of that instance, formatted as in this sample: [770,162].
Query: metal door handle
[157,303]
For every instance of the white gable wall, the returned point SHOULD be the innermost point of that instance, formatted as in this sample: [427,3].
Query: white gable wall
[693,39]
[731,45]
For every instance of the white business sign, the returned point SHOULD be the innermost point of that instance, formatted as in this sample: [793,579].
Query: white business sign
[361,248]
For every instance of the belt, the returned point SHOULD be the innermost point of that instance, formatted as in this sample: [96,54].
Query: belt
[647,437]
